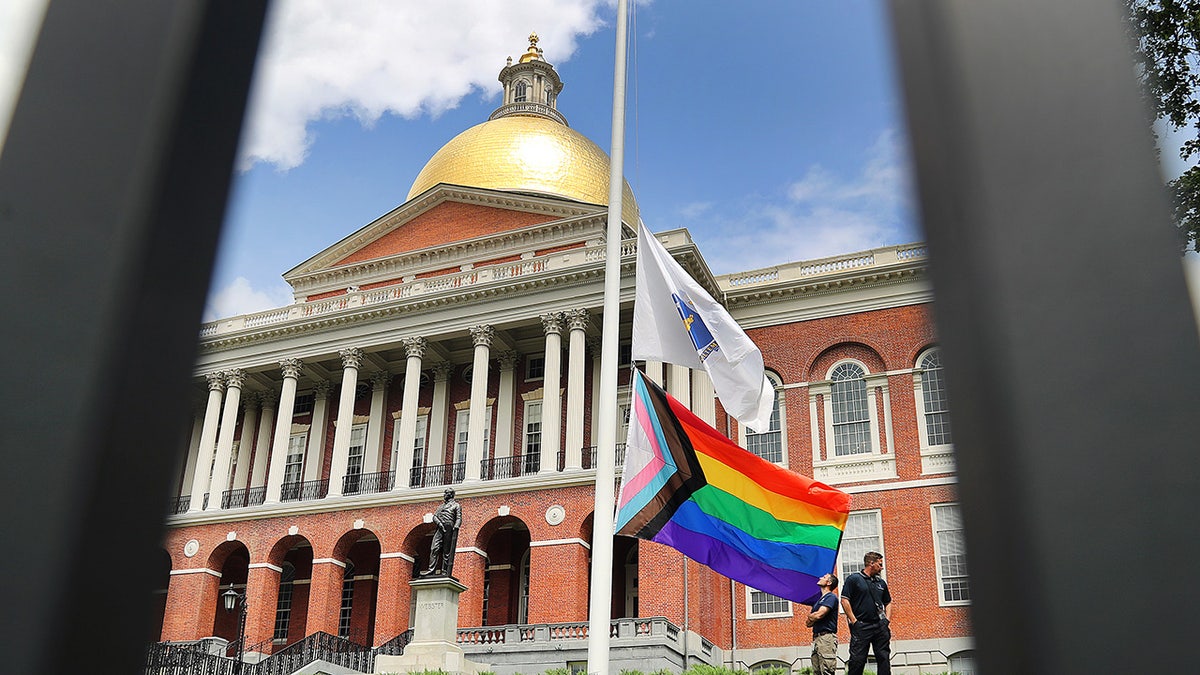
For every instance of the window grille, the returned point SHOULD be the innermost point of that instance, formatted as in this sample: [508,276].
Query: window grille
[862,535]
[950,547]
[933,385]
[851,416]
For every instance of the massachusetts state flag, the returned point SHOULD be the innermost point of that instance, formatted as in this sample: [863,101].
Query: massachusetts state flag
[676,321]
[687,486]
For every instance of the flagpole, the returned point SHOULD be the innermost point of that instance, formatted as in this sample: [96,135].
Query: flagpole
[600,601]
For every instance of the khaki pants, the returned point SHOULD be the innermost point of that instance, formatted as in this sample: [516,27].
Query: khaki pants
[824,654]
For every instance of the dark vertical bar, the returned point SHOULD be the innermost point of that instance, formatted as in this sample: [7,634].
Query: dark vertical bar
[1072,355]
[113,186]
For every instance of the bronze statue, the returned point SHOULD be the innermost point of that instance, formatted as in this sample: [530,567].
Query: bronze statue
[448,519]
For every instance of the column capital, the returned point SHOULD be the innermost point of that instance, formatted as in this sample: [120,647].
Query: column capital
[291,367]
[252,399]
[442,371]
[595,344]
[269,400]
[577,319]
[552,323]
[235,378]
[380,379]
[322,389]
[508,359]
[216,381]
[352,357]
[482,335]
[414,346]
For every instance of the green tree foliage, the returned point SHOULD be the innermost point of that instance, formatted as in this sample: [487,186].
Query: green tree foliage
[1167,35]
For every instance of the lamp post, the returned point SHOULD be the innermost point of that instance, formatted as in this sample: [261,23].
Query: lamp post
[232,599]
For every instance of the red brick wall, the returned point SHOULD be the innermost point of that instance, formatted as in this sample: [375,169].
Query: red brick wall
[447,222]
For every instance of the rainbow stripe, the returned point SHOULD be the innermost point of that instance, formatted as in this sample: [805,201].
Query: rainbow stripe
[689,487]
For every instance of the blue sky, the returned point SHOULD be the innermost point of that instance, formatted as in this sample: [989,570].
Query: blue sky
[771,129]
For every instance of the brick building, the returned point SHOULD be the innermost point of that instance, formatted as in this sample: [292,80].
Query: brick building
[455,342]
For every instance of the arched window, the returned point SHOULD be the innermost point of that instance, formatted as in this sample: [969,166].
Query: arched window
[520,92]
[933,387]
[963,662]
[851,414]
[770,667]
[283,608]
[768,443]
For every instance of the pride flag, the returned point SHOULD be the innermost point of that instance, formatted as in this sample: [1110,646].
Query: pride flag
[687,486]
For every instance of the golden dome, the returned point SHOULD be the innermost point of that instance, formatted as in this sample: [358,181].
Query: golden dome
[524,153]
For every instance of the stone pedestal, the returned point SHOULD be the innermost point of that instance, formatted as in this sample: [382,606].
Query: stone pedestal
[435,632]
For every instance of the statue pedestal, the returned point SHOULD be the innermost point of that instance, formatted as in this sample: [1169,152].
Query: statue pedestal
[435,632]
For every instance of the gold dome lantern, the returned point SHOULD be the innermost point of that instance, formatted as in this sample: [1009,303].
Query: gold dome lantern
[524,153]
[526,146]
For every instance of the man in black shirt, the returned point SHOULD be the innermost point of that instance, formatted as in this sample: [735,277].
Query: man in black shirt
[867,603]
[823,620]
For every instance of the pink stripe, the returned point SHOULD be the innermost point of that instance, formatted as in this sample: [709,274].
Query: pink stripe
[643,477]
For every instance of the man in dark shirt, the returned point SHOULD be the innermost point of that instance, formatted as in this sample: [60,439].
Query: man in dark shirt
[867,604]
[823,620]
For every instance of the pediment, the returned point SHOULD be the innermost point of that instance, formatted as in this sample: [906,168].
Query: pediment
[432,226]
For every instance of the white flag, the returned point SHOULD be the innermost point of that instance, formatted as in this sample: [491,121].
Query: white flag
[676,321]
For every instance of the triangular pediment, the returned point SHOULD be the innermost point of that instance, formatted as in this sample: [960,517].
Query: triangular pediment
[431,226]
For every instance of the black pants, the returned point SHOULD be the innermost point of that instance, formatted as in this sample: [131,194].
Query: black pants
[873,636]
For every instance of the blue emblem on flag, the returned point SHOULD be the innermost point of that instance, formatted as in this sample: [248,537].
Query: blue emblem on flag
[702,338]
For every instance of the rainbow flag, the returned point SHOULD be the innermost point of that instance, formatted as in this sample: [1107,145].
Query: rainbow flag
[687,486]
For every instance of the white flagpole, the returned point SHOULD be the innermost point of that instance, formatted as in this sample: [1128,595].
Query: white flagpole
[600,602]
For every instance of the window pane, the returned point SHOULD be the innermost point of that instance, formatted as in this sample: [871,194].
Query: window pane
[851,415]
[933,384]
[861,535]
[765,603]
[952,553]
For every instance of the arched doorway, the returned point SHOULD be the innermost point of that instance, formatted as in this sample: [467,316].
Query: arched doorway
[506,576]
[233,560]
[359,549]
[162,579]
[294,555]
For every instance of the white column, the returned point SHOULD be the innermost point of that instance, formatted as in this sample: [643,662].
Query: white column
[703,398]
[208,440]
[351,360]
[233,398]
[314,451]
[262,441]
[654,371]
[506,400]
[246,443]
[189,460]
[479,421]
[435,439]
[577,321]
[551,398]
[679,384]
[414,348]
[372,454]
[283,429]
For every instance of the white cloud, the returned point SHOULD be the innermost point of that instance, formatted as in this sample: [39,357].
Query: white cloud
[240,298]
[19,23]
[368,58]
[824,214]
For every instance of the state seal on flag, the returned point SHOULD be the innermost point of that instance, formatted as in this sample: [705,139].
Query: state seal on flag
[702,337]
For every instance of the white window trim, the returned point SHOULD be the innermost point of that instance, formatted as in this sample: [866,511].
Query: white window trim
[303,436]
[751,615]
[421,419]
[882,550]
[742,430]
[361,430]
[874,465]
[934,458]
[525,426]
[937,555]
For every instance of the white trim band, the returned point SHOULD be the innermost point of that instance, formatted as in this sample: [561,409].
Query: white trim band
[269,566]
[339,563]
[197,570]
[397,554]
[559,542]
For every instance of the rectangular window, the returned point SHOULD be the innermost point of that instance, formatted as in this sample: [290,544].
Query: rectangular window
[937,416]
[295,458]
[304,404]
[769,443]
[418,457]
[347,611]
[535,368]
[863,534]
[283,612]
[949,547]
[461,429]
[358,444]
[531,448]
[762,605]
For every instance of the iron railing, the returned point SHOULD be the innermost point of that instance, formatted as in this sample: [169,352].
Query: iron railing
[179,505]
[368,483]
[441,474]
[322,646]
[395,646]
[304,491]
[189,659]
[231,499]
[500,468]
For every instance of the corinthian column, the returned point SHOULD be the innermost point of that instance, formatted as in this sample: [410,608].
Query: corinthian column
[374,449]
[551,399]
[577,321]
[262,441]
[233,397]
[414,349]
[505,401]
[351,360]
[436,438]
[478,422]
[283,429]
[208,440]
